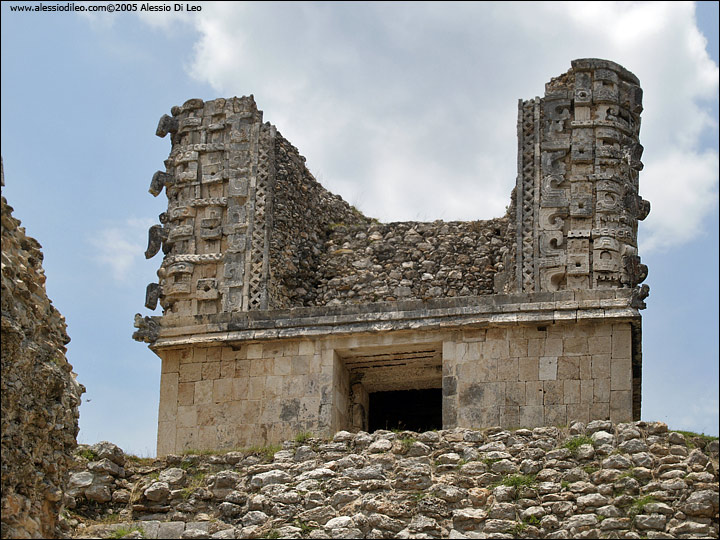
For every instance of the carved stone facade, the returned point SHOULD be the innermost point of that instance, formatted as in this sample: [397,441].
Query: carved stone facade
[578,165]
[283,305]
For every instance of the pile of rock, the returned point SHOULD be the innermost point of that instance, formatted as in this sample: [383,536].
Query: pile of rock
[600,480]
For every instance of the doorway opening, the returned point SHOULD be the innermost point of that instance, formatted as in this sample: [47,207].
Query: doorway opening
[413,410]
[394,386]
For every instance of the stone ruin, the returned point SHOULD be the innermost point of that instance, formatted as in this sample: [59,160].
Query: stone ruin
[40,396]
[287,310]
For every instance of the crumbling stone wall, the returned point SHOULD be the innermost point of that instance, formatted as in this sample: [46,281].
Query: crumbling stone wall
[40,397]
[304,216]
[325,252]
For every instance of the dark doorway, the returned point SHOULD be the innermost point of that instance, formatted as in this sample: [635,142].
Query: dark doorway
[414,410]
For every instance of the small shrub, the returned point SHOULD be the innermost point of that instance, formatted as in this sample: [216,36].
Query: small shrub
[533,520]
[272,533]
[303,437]
[564,484]
[575,443]
[88,454]
[639,504]
[518,528]
[590,469]
[122,532]
[516,481]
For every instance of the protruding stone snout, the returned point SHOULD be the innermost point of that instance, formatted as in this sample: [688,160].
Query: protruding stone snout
[159,180]
[167,124]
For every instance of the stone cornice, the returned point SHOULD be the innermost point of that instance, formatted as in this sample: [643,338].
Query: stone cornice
[447,313]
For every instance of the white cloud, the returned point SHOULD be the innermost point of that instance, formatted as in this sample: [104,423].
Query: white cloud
[411,112]
[682,187]
[116,247]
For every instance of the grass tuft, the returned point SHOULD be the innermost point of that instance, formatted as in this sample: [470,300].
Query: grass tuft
[303,437]
[88,454]
[575,443]
[639,504]
[122,532]
[516,481]
[265,452]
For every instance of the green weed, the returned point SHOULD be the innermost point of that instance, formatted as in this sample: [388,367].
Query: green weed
[304,527]
[516,481]
[575,443]
[639,504]
[88,454]
[303,437]
[407,442]
[690,435]
[122,532]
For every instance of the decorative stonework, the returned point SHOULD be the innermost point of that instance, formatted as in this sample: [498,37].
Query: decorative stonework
[284,308]
[579,159]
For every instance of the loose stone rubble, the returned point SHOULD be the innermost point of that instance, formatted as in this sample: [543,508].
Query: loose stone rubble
[596,480]
[40,396]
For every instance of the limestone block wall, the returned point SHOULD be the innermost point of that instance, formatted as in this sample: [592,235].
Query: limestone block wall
[224,397]
[538,375]
[231,396]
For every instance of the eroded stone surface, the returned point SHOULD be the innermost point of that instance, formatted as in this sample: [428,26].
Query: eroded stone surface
[40,397]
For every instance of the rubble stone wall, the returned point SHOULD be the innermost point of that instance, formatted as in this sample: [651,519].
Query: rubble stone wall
[595,480]
[40,397]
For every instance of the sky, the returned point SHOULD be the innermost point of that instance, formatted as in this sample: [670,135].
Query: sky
[408,111]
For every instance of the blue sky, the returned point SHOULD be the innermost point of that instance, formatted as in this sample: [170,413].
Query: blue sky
[407,111]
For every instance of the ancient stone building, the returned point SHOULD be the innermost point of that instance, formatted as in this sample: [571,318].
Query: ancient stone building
[286,310]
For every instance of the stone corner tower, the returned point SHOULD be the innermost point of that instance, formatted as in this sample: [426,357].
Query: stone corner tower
[577,185]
